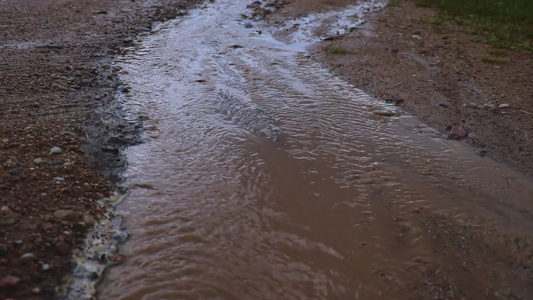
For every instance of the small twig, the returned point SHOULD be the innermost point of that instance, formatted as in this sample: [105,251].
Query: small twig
[527,112]
[398,84]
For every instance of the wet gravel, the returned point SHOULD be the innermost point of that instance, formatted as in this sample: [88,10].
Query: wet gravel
[62,129]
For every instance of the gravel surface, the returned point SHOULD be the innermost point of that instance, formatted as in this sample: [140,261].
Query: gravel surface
[62,130]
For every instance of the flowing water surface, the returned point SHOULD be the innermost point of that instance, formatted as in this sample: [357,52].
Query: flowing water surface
[263,176]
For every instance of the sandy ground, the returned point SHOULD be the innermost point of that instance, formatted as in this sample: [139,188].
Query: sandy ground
[57,89]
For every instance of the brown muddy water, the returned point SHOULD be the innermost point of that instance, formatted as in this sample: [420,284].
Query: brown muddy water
[263,176]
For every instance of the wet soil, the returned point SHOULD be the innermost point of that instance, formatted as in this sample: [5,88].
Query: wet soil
[438,74]
[347,197]
[57,89]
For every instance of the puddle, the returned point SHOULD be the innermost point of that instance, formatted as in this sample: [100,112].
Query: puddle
[263,176]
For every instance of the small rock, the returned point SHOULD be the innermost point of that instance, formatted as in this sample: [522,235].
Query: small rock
[457,132]
[94,276]
[57,162]
[487,106]
[416,36]
[504,105]
[120,236]
[88,220]
[15,171]
[56,150]
[38,161]
[64,214]
[119,258]
[46,267]
[59,178]
[9,281]
[27,256]
[443,105]
[36,290]
[62,248]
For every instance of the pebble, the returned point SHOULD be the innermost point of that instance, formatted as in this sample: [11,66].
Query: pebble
[15,171]
[57,163]
[120,236]
[62,248]
[88,220]
[504,105]
[94,276]
[38,161]
[119,258]
[27,256]
[46,267]
[36,290]
[457,132]
[56,150]
[59,178]
[64,213]
[416,36]
[9,281]
[486,106]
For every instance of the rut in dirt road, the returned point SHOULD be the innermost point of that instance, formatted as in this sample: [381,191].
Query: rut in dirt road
[263,176]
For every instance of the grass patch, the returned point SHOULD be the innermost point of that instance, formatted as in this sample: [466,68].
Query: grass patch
[438,24]
[497,52]
[494,60]
[501,23]
[337,50]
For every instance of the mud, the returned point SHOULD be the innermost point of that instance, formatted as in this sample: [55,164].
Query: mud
[265,176]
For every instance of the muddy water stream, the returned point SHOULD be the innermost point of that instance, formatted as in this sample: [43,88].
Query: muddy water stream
[263,176]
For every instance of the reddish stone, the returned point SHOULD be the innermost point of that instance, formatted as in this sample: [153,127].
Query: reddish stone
[457,132]
[119,258]
[9,281]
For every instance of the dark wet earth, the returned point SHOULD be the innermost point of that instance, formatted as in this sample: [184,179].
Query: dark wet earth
[263,176]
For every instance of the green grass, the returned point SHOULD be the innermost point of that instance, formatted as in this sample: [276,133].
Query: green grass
[501,23]
[338,50]
[495,60]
